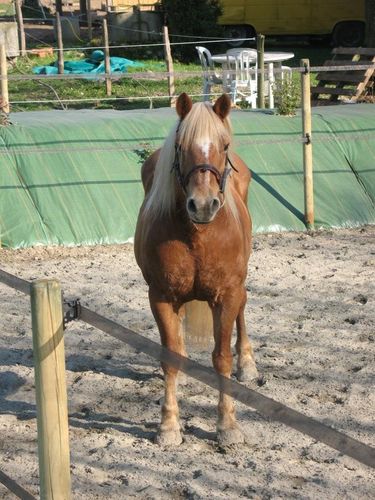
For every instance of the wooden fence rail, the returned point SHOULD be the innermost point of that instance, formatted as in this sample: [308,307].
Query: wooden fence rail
[268,407]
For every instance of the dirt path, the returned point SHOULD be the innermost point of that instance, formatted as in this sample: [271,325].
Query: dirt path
[310,315]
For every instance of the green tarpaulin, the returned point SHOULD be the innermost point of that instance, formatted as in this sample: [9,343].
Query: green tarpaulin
[73,177]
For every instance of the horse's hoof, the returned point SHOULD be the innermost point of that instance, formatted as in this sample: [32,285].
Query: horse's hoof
[230,437]
[247,372]
[168,437]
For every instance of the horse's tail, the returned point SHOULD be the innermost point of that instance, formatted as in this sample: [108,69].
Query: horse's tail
[198,324]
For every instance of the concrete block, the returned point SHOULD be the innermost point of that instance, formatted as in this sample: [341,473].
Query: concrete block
[134,26]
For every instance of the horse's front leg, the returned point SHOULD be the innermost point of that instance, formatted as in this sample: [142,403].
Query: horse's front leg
[169,323]
[224,315]
[246,369]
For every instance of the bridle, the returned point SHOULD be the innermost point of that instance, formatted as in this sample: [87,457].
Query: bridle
[183,180]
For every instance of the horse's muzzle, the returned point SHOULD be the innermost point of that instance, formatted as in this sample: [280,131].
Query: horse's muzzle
[202,210]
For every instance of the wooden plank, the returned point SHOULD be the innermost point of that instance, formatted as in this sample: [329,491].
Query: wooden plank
[332,91]
[361,80]
[370,73]
[368,51]
[337,76]
[345,62]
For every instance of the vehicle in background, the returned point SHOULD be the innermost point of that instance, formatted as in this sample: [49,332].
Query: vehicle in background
[342,20]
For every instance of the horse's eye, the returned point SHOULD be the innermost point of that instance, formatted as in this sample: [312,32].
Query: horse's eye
[226,147]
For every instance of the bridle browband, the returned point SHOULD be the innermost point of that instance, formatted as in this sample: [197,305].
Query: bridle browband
[183,180]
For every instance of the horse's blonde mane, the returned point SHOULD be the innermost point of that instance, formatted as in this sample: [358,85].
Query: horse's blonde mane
[200,122]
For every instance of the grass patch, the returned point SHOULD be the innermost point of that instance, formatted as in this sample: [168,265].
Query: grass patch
[146,92]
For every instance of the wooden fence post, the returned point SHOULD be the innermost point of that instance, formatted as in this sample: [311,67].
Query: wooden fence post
[169,61]
[307,146]
[60,47]
[107,61]
[260,60]
[21,29]
[50,388]
[4,80]
[89,20]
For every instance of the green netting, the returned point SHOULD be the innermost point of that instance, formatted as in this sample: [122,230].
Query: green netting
[73,177]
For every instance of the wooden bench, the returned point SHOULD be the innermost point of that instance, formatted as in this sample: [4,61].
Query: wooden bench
[348,85]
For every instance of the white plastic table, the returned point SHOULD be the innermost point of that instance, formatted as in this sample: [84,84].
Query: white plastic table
[270,58]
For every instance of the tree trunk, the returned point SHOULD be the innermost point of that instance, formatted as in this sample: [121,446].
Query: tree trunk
[370,23]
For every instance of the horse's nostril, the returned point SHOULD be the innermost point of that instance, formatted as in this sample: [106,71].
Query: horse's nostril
[191,206]
[215,204]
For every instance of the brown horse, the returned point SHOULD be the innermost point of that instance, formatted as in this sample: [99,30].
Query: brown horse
[193,242]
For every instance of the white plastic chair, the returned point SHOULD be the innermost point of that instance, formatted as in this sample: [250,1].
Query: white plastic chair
[210,77]
[244,82]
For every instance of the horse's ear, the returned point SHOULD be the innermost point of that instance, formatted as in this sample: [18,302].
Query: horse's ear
[223,106]
[183,105]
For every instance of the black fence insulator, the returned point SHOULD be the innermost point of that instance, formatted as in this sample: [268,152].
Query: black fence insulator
[71,310]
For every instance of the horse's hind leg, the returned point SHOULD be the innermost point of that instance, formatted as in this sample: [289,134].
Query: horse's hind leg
[246,369]
[168,321]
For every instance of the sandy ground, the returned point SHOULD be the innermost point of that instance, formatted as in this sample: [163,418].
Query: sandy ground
[310,315]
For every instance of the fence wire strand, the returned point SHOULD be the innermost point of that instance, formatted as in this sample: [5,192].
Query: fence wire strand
[316,138]
[137,76]
[163,75]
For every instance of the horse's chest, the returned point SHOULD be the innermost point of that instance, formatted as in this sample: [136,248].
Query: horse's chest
[172,269]
[191,271]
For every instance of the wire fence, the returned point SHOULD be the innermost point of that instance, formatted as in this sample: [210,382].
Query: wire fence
[144,76]
[149,33]
[304,136]
[143,145]
[147,76]
[143,45]
[163,75]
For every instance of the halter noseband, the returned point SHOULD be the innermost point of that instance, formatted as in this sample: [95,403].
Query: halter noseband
[202,167]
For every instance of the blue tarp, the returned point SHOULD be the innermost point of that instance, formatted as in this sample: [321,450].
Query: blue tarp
[93,64]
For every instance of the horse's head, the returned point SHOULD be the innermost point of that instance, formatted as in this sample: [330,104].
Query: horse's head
[201,159]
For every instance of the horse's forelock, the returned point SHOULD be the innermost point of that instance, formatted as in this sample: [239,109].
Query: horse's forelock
[203,123]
